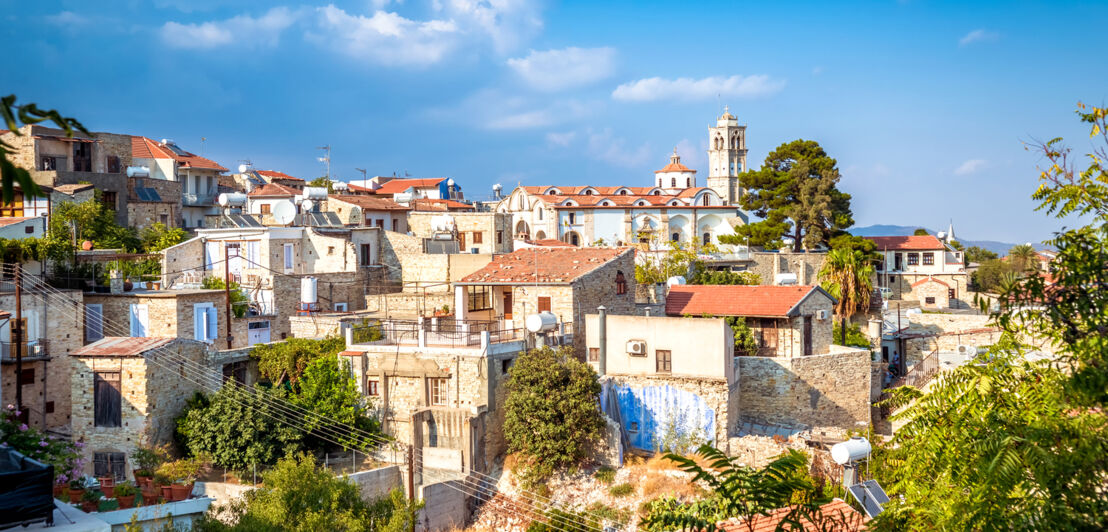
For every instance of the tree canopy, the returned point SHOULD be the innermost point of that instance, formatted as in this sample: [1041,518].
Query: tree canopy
[281,361]
[796,195]
[238,428]
[920,232]
[979,255]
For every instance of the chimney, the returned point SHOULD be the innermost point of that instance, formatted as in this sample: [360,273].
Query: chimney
[602,335]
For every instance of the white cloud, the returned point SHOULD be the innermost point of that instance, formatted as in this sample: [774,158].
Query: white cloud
[978,35]
[653,89]
[67,19]
[613,150]
[555,70]
[970,167]
[507,23]
[500,110]
[239,30]
[693,155]
[561,139]
[385,38]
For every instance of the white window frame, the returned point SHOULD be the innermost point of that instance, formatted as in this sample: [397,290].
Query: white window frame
[140,320]
[206,329]
[94,321]
[289,263]
[339,307]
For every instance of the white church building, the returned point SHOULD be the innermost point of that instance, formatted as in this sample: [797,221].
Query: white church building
[674,208]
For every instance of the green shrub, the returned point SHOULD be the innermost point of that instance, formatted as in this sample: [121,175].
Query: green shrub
[854,336]
[605,475]
[621,490]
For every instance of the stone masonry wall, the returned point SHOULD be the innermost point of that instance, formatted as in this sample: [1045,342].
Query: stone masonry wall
[820,391]
[714,392]
[59,320]
[597,288]
[172,313]
[485,223]
[805,265]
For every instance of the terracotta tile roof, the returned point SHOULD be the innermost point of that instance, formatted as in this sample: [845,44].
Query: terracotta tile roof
[4,222]
[929,280]
[549,242]
[72,189]
[272,190]
[144,148]
[555,265]
[397,186]
[370,203]
[690,192]
[441,205]
[361,189]
[838,516]
[273,174]
[119,346]
[906,242]
[674,167]
[737,300]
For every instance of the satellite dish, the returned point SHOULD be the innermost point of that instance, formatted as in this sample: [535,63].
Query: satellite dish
[284,212]
[306,205]
[450,182]
[243,168]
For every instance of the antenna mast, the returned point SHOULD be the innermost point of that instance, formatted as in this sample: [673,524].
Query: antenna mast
[326,159]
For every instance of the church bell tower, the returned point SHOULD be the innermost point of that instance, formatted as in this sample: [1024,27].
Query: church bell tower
[726,157]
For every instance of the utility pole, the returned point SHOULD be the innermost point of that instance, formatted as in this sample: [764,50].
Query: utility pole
[227,290]
[411,475]
[326,159]
[17,335]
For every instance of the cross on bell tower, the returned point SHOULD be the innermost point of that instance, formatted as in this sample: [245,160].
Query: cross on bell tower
[726,156]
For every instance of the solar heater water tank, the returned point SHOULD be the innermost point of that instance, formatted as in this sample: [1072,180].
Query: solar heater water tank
[315,193]
[138,171]
[232,199]
[541,322]
[850,451]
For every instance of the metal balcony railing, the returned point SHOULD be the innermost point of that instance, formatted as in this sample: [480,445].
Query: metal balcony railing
[198,199]
[32,349]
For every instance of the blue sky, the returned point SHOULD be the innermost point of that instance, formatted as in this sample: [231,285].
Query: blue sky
[924,104]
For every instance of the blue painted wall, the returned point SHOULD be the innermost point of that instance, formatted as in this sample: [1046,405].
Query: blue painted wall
[646,411]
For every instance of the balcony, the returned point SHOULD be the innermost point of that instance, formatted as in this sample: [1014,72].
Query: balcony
[449,333]
[37,349]
[198,199]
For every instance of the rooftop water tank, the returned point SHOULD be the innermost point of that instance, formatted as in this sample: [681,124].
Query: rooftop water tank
[544,321]
[138,171]
[785,279]
[232,199]
[443,223]
[850,450]
[315,193]
[675,280]
[308,290]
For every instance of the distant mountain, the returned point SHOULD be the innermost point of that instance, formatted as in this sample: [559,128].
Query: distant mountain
[1000,248]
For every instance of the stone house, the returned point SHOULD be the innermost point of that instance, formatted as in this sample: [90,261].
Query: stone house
[569,282]
[485,232]
[787,321]
[270,264]
[662,374]
[53,331]
[423,278]
[198,176]
[368,211]
[126,392]
[907,260]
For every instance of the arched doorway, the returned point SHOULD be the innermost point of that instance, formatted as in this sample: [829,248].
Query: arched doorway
[540,235]
[522,229]
[572,238]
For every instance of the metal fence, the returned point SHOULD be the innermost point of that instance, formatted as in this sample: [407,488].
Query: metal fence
[32,348]
[440,332]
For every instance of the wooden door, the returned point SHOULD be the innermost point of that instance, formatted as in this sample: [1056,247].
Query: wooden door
[507,305]
[807,340]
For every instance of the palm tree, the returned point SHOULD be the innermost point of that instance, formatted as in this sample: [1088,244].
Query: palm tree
[1022,257]
[848,276]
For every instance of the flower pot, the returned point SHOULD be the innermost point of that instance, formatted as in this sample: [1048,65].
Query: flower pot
[167,492]
[181,491]
[126,501]
[90,506]
[59,489]
[109,490]
[76,494]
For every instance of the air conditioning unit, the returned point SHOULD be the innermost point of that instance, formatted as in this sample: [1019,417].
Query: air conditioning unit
[822,314]
[474,250]
[636,348]
[967,350]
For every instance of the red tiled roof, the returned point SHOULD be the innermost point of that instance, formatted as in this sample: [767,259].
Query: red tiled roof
[273,174]
[548,265]
[674,167]
[397,186]
[370,203]
[357,188]
[929,280]
[4,222]
[441,205]
[549,242]
[906,242]
[736,300]
[273,190]
[72,188]
[838,516]
[118,346]
[144,148]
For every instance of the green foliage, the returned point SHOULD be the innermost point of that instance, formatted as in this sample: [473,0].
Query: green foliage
[745,344]
[240,428]
[621,490]
[795,194]
[324,183]
[91,221]
[22,249]
[711,509]
[718,277]
[240,300]
[920,232]
[848,276]
[300,496]
[329,390]
[552,415]
[64,455]
[557,520]
[864,245]
[992,274]
[605,475]
[740,491]
[281,361]
[979,255]
[158,237]
[1023,257]
[14,116]
[854,335]
[679,259]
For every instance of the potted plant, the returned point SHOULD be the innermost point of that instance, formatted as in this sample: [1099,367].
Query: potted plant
[184,473]
[125,493]
[147,459]
[107,485]
[150,492]
[90,501]
[163,484]
[61,484]
[76,489]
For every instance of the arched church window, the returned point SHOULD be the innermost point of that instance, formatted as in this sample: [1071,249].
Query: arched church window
[688,182]
[675,237]
[707,238]
[673,181]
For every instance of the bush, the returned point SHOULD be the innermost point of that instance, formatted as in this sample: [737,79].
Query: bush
[605,475]
[621,490]
[854,336]
[64,455]
[552,415]
[281,361]
[239,299]
[241,428]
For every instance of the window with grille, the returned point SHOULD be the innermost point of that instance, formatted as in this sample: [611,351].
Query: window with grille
[480,298]
[913,259]
[371,388]
[108,199]
[928,259]
[544,304]
[621,283]
[594,354]
[265,208]
[107,401]
[110,464]
[950,293]
[113,164]
[439,389]
[663,360]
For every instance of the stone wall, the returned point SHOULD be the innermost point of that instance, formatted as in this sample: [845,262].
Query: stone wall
[409,304]
[805,265]
[488,224]
[597,288]
[377,483]
[116,183]
[59,319]
[171,312]
[714,392]
[154,388]
[446,506]
[820,391]
[901,287]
